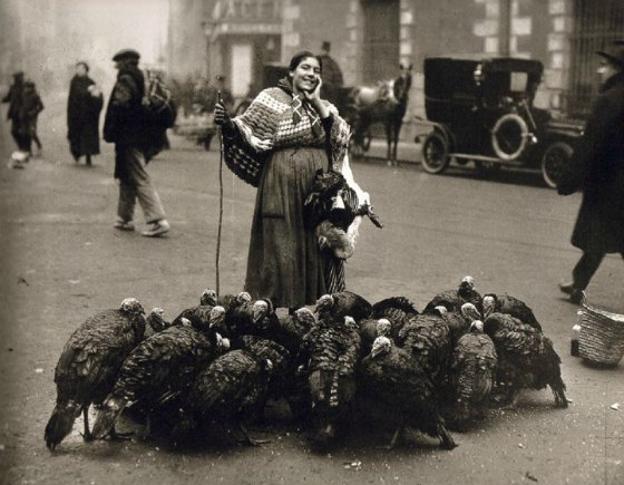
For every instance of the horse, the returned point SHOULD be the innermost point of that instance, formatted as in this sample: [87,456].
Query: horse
[384,103]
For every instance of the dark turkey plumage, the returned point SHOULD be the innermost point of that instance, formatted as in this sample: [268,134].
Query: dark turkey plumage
[198,315]
[472,375]
[526,357]
[156,322]
[89,364]
[504,303]
[158,373]
[452,300]
[397,309]
[393,386]
[248,318]
[345,303]
[427,336]
[232,387]
[329,354]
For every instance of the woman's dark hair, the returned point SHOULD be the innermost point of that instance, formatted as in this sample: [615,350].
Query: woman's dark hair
[82,63]
[300,56]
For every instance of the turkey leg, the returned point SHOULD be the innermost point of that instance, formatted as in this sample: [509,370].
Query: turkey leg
[87,436]
[395,437]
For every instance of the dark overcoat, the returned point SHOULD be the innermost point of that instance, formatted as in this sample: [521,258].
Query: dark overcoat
[597,168]
[125,123]
[83,115]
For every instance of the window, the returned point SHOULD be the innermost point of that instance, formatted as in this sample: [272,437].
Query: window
[380,54]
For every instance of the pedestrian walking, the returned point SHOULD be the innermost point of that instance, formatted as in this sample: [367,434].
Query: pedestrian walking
[14,98]
[278,144]
[332,75]
[84,105]
[29,113]
[597,168]
[136,142]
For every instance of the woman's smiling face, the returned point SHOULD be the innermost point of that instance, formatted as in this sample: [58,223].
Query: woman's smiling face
[306,75]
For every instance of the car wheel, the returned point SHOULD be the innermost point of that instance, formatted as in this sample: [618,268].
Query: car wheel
[510,136]
[555,158]
[435,153]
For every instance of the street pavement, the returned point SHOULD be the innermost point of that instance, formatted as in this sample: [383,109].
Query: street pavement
[62,261]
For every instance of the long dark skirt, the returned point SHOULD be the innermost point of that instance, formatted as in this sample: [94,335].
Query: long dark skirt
[285,263]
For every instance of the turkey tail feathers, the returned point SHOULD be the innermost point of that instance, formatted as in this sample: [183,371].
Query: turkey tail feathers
[105,421]
[61,423]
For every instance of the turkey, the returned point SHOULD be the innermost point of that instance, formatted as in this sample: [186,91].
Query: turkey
[391,384]
[526,358]
[427,336]
[329,355]
[472,375]
[230,300]
[513,306]
[397,310]
[372,328]
[452,300]
[289,330]
[248,317]
[334,209]
[89,364]
[339,305]
[458,321]
[199,313]
[233,386]
[155,322]
[158,372]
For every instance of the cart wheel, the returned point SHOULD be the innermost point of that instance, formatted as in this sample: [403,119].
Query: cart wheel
[435,153]
[555,158]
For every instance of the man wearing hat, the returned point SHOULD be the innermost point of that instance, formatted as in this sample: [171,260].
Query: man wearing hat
[331,74]
[135,142]
[597,168]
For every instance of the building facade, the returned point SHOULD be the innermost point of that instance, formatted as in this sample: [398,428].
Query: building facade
[371,38]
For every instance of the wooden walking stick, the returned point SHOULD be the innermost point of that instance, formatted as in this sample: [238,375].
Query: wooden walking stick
[220,226]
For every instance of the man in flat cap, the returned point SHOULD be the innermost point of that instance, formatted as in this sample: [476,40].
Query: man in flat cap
[135,143]
[597,168]
[331,74]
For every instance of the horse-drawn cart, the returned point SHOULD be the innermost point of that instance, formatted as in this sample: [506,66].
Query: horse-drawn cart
[482,111]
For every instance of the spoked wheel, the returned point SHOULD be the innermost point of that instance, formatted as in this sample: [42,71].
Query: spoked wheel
[555,158]
[435,153]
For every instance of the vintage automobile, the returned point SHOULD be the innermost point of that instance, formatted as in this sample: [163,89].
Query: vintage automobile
[482,111]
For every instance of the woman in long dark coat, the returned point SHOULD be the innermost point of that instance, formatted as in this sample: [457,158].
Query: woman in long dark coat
[278,144]
[83,115]
[597,168]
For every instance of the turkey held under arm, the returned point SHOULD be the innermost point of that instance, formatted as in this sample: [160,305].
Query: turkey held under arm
[160,371]
[89,364]
[526,357]
[392,384]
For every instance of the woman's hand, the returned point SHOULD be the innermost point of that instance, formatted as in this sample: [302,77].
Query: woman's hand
[221,116]
[314,98]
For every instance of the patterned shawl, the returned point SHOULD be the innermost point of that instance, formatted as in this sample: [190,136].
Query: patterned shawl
[273,121]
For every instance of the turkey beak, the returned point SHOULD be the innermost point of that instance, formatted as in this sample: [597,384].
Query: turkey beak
[258,314]
[375,352]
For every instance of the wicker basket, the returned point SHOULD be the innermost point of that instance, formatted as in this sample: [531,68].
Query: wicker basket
[601,340]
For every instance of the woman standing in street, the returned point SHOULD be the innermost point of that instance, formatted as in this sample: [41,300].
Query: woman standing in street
[83,115]
[278,144]
[597,168]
